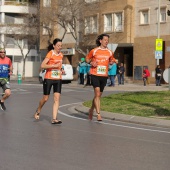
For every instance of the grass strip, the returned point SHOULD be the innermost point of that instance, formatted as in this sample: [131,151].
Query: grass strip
[145,104]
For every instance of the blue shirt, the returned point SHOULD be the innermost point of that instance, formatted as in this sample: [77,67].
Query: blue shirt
[112,69]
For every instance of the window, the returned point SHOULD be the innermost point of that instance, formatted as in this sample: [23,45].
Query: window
[18,20]
[87,25]
[144,17]
[90,1]
[108,23]
[118,21]
[46,28]
[113,22]
[91,25]
[47,3]
[94,24]
[31,58]
[163,15]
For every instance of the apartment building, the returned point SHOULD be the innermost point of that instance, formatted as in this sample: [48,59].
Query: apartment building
[17,31]
[147,29]
[115,18]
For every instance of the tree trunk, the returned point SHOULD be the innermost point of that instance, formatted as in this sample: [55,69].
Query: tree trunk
[23,72]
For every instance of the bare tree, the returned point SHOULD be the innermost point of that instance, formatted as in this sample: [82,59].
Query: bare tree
[72,16]
[69,16]
[28,34]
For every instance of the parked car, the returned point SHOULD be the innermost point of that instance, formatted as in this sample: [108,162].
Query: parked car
[67,77]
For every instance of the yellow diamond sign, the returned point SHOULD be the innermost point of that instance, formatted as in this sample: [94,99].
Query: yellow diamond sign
[159,44]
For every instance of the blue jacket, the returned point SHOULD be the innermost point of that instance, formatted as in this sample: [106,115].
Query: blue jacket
[112,69]
[88,68]
[83,68]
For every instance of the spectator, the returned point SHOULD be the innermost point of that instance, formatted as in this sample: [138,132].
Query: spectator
[82,70]
[88,83]
[112,73]
[147,73]
[158,75]
[121,74]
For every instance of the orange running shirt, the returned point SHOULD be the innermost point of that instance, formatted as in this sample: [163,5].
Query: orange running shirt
[51,73]
[102,57]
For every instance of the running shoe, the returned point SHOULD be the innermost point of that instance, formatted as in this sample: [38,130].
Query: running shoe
[2,106]
[99,118]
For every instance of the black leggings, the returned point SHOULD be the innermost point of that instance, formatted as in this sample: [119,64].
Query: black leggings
[48,83]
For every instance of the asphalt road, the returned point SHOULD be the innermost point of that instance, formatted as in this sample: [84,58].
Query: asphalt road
[76,144]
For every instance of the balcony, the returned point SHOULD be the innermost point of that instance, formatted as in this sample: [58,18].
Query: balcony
[16,7]
[14,3]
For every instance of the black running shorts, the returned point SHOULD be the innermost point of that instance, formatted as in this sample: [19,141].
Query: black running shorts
[48,83]
[98,81]
[4,84]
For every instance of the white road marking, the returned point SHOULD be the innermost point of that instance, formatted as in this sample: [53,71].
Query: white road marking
[111,124]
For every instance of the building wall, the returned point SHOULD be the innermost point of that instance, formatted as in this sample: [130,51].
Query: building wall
[126,6]
[151,28]
[12,15]
[146,35]
[122,38]
[31,68]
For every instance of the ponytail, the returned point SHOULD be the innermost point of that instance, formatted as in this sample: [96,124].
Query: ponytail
[55,41]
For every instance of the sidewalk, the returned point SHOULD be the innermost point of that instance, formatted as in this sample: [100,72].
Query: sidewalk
[129,118]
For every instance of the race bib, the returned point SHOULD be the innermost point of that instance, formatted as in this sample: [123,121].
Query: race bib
[101,69]
[4,71]
[55,74]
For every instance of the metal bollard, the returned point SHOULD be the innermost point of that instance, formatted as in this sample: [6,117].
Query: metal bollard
[19,79]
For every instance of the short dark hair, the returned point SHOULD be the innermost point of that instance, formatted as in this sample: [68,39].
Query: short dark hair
[100,37]
[55,41]
[3,49]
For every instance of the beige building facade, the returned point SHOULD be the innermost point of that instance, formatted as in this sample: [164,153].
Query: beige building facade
[132,26]
[113,17]
[146,32]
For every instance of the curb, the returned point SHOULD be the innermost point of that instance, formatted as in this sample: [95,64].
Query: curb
[127,118]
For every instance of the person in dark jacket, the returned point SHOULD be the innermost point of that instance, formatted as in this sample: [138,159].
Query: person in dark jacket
[158,75]
[121,71]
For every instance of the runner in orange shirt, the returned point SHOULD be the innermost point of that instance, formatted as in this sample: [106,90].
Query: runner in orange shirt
[99,58]
[53,65]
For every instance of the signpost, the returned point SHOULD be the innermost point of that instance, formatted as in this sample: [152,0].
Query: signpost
[159,44]
[158,50]
[158,31]
[158,54]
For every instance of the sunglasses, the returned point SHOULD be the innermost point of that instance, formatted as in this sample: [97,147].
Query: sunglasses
[2,52]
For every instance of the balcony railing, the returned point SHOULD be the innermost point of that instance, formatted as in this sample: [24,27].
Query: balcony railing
[33,47]
[23,3]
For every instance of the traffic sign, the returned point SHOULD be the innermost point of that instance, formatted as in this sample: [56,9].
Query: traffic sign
[158,54]
[159,44]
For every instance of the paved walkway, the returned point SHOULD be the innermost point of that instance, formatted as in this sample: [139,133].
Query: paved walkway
[129,118]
